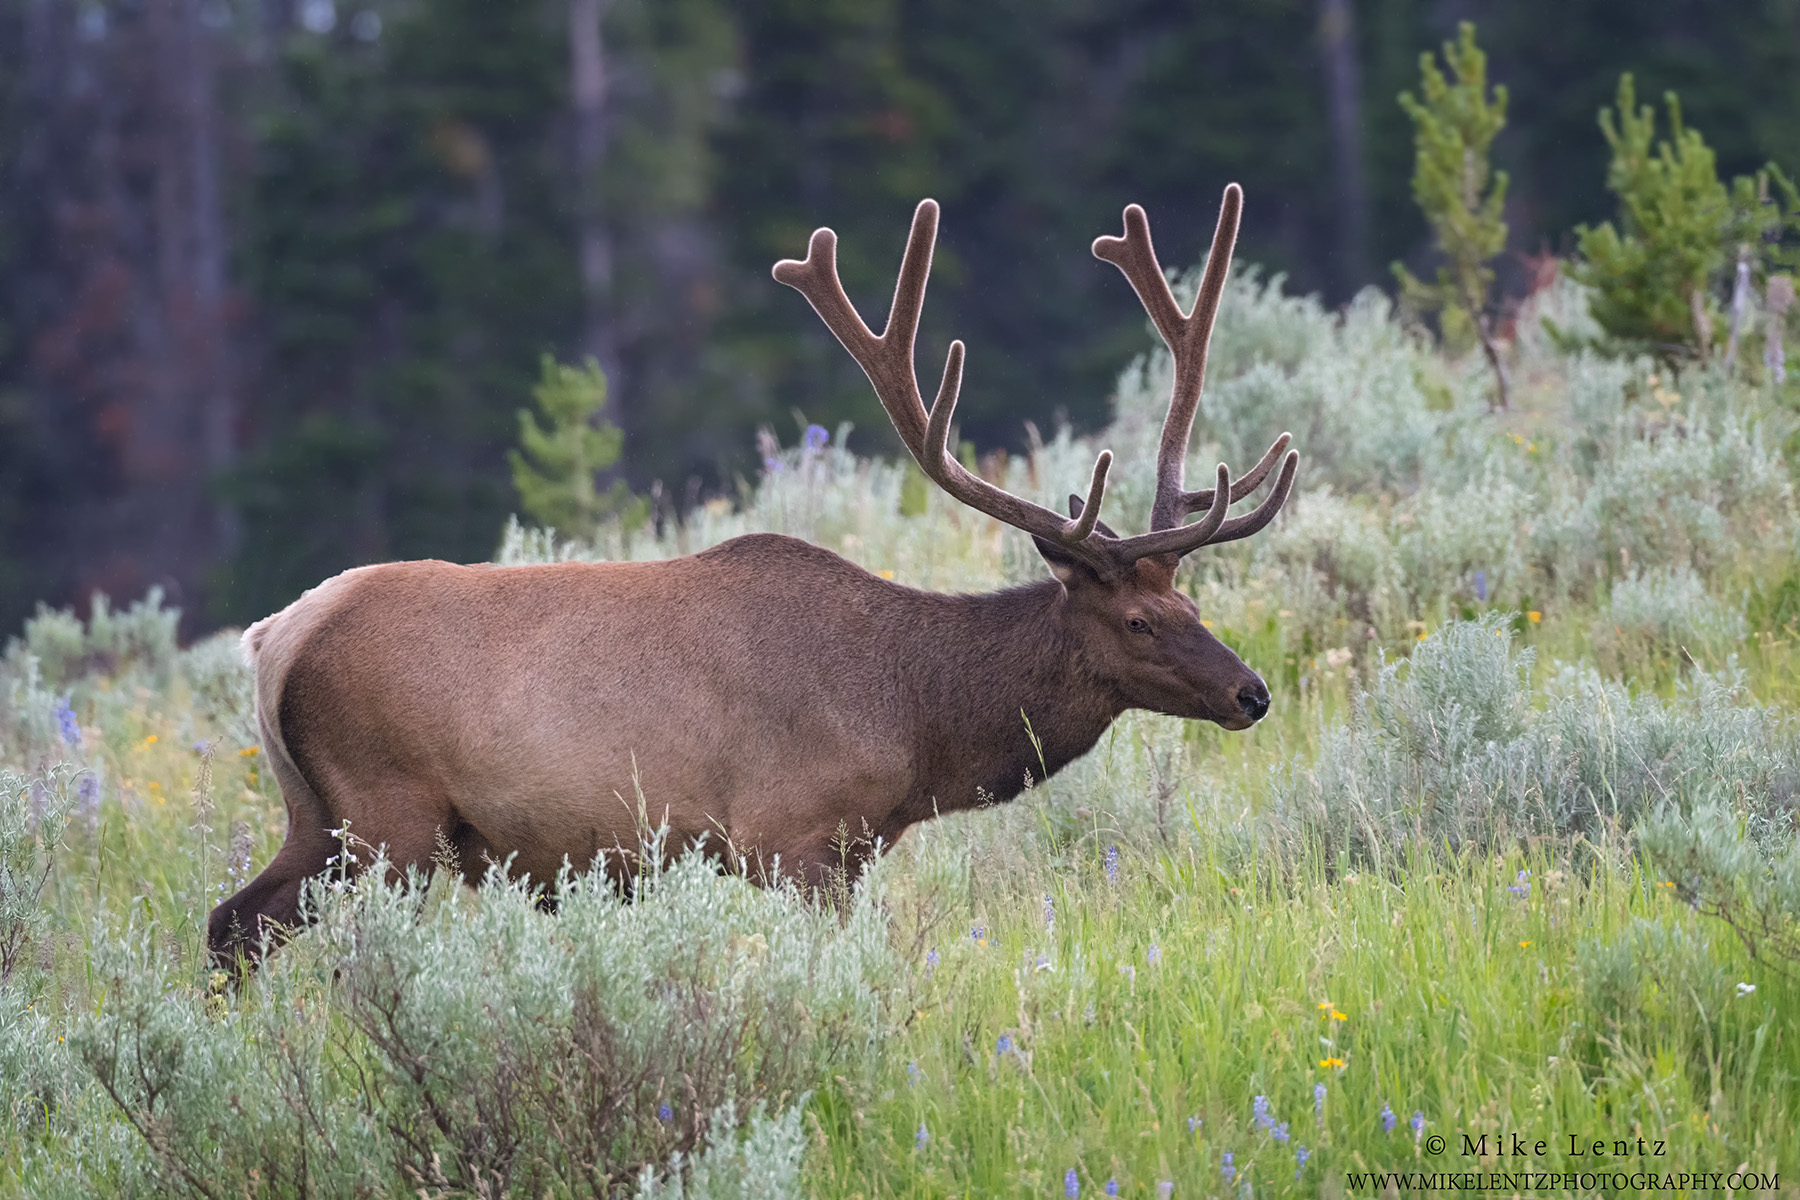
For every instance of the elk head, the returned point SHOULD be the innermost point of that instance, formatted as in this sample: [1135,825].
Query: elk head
[1132,631]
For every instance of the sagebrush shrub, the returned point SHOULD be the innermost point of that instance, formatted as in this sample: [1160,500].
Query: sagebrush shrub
[139,641]
[472,1042]
[1736,861]
[33,811]
[1663,612]
[221,686]
[1649,985]
[1447,750]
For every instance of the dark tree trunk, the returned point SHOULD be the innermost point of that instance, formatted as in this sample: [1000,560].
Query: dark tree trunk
[1343,91]
[209,348]
[588,89]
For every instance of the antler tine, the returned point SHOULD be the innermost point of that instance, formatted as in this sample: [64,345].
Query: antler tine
[1192,502]
[1185,335]
[1252,522]
[1214,528]
[888,362]
[979,494]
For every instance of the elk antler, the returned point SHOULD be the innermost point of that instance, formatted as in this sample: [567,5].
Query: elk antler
[888,361]
[1187,338]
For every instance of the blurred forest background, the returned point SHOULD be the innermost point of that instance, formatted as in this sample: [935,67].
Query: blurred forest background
[276,276]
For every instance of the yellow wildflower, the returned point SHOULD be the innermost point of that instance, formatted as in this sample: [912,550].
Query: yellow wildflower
[1336,1063]
[1534,616]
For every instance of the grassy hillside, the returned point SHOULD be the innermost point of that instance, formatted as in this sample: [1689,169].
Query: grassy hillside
[1515,853]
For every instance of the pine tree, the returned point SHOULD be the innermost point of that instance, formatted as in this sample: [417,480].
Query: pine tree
[555,470]
[1461,195]
[1654,277]
[1651,278]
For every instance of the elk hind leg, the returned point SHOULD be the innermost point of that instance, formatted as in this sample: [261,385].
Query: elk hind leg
[268,907]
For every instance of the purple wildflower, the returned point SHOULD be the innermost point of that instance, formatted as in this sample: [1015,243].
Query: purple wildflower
[1388,1119]
[65,718]
[1228,1169]
[1481,586]
[931,961]
[1112,864]
[88,791]
[665,1113]
[921,1137]
[1418,1125]
[1155,954]
[1071,1185]
[1300,1157]
[1112,1187]
[1165,1189]
[1259,1109]
[1004,1045]
[1319,1098]
[1280,1133]
[816,437]
[913,1073]
[1049,913]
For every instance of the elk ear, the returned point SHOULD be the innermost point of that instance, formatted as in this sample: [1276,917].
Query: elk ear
[1076,504]
[1065,566]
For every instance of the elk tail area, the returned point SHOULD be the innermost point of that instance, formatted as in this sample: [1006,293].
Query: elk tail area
[270,903]
[270,647]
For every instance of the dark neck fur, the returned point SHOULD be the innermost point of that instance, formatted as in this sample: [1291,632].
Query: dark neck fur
[1001,653]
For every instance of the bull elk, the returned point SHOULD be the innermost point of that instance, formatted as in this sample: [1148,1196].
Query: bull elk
[765,693]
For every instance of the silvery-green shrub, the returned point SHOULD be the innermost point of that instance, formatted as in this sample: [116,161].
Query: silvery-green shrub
[1651,612]
[221,686]
[761,1164]
[1649,988]
[1447,749]
[474,1043]
[1739,862]
[138,641]
[33,813]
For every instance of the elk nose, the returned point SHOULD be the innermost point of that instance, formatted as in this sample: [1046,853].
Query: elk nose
[1253,698]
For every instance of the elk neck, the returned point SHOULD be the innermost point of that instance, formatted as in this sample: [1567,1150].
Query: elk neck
[1001,659]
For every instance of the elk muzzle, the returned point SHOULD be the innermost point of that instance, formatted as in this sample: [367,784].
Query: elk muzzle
[1253,698]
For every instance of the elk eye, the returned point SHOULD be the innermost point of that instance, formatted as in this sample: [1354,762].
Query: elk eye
[1138,625]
